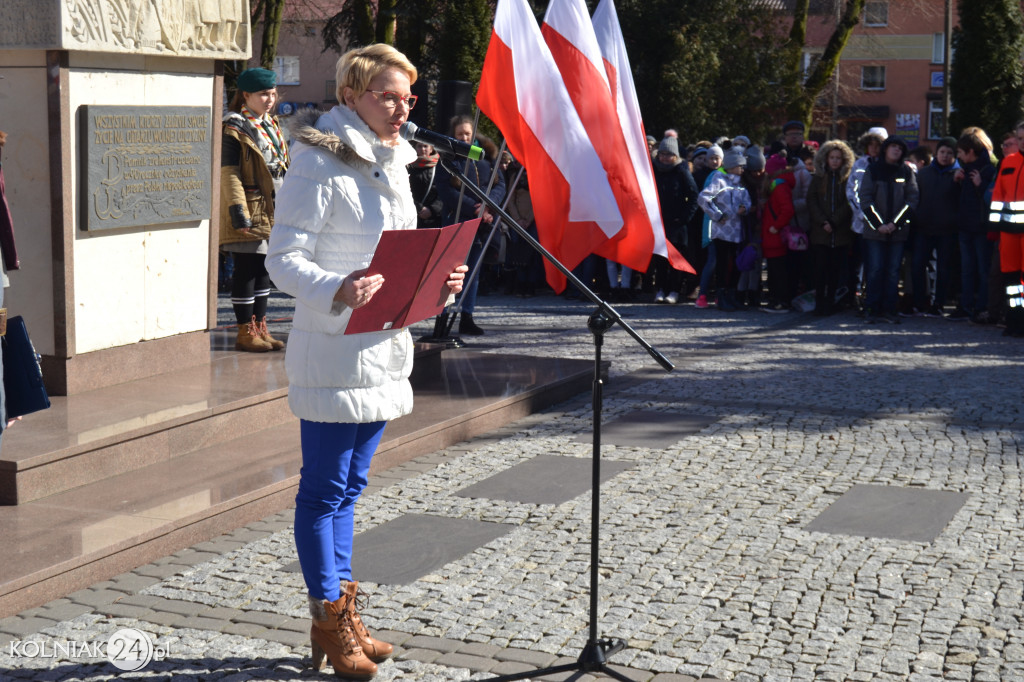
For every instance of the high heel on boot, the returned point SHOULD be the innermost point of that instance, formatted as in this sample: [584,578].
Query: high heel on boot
[333,637]
[375,649]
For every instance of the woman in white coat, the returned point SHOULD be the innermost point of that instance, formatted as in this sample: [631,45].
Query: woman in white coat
[347,184]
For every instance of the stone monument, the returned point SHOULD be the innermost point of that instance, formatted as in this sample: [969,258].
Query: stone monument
[113,112]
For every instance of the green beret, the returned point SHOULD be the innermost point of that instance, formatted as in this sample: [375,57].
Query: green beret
[257,80]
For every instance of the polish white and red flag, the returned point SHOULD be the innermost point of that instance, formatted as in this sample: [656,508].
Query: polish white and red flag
[522,92]
[597,86]
[620,80]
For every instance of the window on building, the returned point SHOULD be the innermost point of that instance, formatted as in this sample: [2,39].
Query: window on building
[938,48]
[936,120]
[331,91]
[876,13]
[287,70]
[808,61]
[872,78]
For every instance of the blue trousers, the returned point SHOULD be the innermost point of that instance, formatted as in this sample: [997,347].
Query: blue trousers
[335,466]
[468,298]
[882,270]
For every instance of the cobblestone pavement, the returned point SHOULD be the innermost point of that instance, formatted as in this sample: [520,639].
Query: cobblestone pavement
[707,569]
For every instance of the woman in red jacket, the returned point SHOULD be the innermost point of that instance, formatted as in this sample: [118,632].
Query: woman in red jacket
[778,213]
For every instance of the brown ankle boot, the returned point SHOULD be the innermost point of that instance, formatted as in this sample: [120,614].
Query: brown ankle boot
[332,636]
[375,649]
[249,339]
[267,338]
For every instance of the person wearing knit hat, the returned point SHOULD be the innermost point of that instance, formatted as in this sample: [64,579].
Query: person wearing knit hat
[935,228]
[254,158]
[697,159]
[669,145]
[651,144]
[715,150]
[725,201]
[755,159]
[734,158]
[741,141]
[677,195]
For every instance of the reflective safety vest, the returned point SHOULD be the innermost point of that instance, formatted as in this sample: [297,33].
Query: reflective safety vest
[1008,195]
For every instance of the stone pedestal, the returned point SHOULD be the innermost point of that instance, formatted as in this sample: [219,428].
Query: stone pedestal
[112,109]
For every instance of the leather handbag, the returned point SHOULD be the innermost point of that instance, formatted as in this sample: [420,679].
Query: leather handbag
[24,392]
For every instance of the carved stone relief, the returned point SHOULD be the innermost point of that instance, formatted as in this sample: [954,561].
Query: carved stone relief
[185,28]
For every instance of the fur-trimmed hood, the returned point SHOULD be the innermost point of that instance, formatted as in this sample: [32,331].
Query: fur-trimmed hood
[821,159]
[341,132]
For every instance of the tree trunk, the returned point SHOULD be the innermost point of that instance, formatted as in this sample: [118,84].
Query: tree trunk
[801,106]
[386,21]
[273,13]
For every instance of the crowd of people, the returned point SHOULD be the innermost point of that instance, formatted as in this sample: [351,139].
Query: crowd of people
[878,228]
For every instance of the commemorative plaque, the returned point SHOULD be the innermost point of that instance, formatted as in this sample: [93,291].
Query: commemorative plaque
[144,165]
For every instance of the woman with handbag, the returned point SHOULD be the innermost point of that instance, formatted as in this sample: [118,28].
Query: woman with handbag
[254,158]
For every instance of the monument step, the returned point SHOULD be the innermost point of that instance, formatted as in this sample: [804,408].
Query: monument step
[109,431]
[242,466]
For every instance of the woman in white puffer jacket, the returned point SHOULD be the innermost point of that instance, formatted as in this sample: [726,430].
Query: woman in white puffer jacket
[347,184]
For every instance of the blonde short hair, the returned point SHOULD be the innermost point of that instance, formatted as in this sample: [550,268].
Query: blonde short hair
[356,68]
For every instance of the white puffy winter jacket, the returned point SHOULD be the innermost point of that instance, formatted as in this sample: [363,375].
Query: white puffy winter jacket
[343,188]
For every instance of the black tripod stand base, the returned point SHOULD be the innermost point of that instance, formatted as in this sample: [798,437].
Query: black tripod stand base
[593,659]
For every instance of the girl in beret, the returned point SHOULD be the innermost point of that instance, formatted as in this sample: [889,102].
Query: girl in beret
[254,158]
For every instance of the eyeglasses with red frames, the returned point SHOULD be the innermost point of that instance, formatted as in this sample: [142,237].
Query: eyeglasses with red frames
[391,99]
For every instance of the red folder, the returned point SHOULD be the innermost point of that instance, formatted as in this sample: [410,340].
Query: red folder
[415,265]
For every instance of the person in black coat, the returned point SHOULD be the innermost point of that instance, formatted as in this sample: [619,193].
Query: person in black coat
[677,194]
[449,189]
[423,182]
[936,226]
[975,176]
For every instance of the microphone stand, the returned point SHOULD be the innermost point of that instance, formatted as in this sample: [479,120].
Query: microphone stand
[594,657]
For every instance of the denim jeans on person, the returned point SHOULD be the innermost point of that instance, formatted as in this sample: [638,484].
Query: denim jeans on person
[467,301]
[882,271]
[924,245]
[975,263]
[710,263]
[335,469]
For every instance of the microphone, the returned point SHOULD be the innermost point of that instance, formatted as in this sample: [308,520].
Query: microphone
[442,143]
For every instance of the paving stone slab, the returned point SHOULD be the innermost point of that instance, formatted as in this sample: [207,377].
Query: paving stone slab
[401,551]
[875,511]
[650,429]
[544,479]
